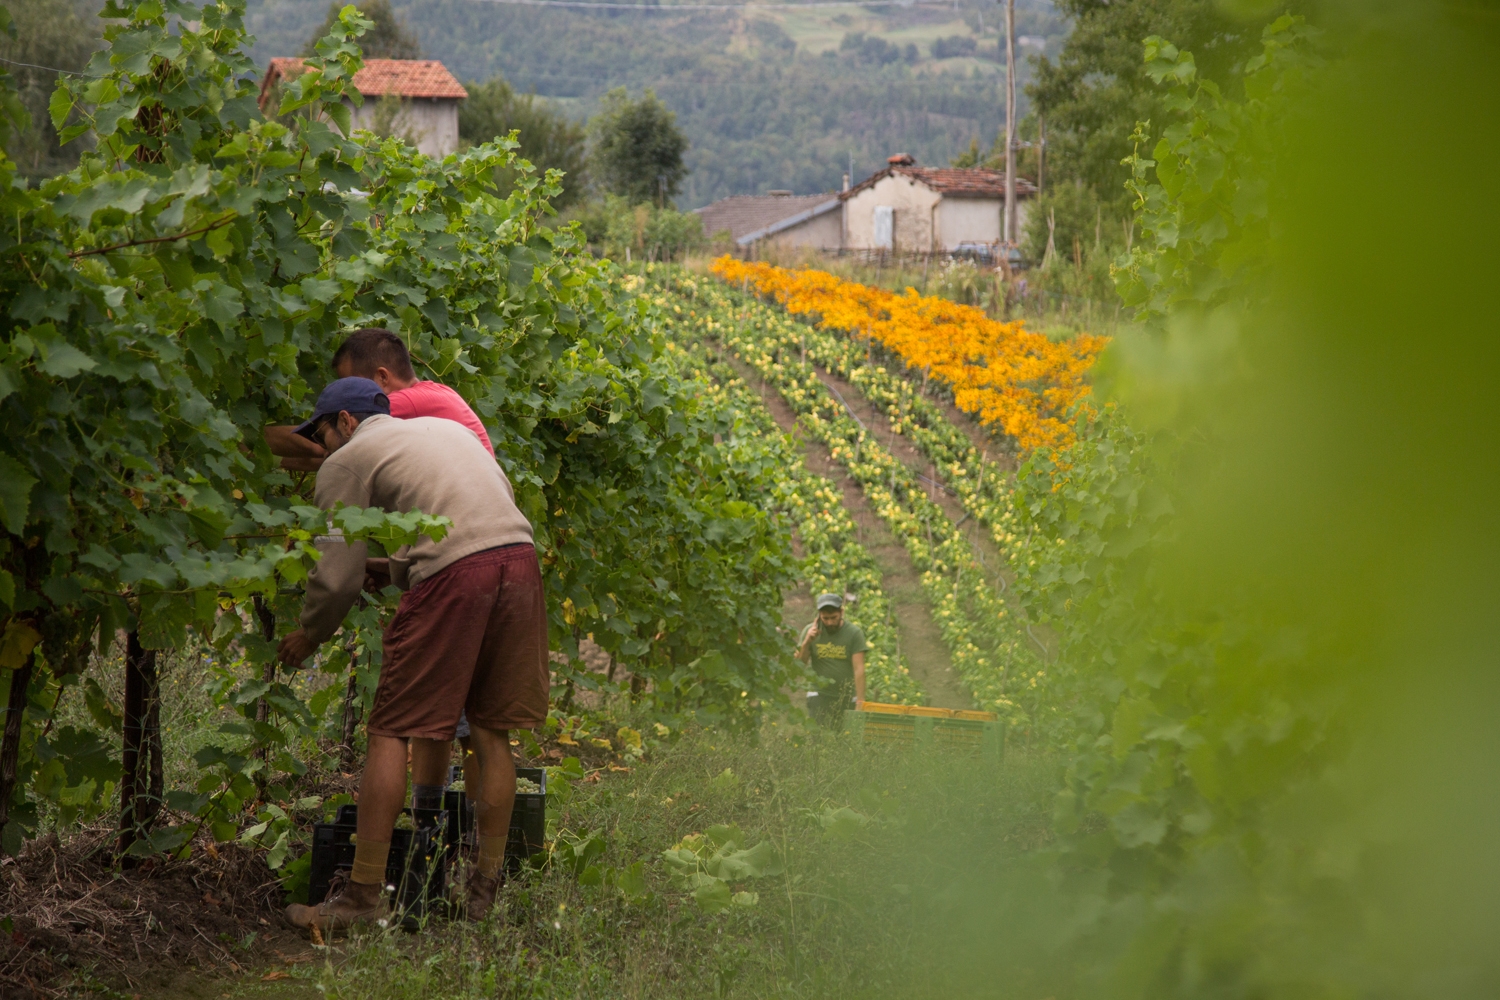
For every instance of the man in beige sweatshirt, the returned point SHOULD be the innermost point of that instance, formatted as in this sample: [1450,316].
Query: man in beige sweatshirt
[470,632]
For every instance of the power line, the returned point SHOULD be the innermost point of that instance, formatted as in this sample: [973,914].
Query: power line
[49,69]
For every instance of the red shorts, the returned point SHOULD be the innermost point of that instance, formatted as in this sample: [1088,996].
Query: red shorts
[473,637]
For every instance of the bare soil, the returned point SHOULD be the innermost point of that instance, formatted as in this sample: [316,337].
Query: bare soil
[207,926]
[76,919]
[990,558]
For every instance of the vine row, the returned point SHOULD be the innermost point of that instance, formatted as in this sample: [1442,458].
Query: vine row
[833,558]
[986,641]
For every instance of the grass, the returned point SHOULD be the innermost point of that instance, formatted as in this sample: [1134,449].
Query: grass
[866,904]
[815,31]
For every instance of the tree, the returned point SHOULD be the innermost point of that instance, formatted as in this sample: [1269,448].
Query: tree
[548,139]
[1079,218]
[389,39]
[48,33]
[638,148]
[1096,91]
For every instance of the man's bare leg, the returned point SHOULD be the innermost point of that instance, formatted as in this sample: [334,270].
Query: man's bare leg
[429,771]
[382,791]
[494,796]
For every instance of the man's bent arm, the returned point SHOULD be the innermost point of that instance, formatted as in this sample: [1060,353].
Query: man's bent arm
[858,659]
[804,651]
[336,580]
[284,442]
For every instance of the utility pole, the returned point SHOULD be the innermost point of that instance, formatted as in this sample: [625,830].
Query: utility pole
[1041,154]
[1010,121]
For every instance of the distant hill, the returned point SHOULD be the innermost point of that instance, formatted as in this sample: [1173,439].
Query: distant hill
[769,98]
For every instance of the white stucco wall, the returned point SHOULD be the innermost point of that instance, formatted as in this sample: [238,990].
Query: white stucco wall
[969,220]
[914,218]
[924,219]
[821,232]
[429,124]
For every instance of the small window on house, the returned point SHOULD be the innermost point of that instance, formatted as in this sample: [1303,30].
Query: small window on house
[885,227]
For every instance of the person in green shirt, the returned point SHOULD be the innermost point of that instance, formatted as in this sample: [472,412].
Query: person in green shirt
[835,650]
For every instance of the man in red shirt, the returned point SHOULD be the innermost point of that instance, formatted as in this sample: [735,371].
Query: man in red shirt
[378,354]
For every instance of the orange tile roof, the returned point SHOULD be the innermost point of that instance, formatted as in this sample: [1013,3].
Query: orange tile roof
[401,77]
[957,182]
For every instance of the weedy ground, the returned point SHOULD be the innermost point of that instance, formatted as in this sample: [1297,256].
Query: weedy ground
[874,843]
[880,850]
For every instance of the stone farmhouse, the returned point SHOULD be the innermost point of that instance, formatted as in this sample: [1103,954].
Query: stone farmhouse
[903,208]
[427,115]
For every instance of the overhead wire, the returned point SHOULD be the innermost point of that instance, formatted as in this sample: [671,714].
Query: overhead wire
[49,69]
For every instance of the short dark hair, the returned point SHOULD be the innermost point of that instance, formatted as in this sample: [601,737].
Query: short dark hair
[329,418]
[371,348]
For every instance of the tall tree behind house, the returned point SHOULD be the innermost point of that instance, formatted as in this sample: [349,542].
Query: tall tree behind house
[389,39]
[548,138]
[637,148]
[1095,91]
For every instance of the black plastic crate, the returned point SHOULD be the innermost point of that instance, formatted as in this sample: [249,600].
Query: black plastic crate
[417,866]
[528,818]
[431,849]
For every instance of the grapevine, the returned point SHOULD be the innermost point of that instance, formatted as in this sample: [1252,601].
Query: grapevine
[185,286]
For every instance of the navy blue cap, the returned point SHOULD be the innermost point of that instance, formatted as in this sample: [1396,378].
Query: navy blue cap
[357,395]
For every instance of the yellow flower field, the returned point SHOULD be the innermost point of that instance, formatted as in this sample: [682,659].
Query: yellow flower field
[1003,373]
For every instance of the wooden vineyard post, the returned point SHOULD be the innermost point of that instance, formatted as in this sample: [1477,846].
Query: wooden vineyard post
[141,765]
[267,619]
[351,715]
[10,744]
[1009,222]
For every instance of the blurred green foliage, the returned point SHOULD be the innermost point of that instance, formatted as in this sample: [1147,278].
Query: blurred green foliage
[1204,218]
[1276,607]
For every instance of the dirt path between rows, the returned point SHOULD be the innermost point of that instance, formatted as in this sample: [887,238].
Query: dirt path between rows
[990,558]
[999,458]
[917,634]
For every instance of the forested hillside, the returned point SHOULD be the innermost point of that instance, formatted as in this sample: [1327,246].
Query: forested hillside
[776,99]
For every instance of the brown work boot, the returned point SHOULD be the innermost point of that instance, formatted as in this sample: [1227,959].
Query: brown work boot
[479,894]
[357,903]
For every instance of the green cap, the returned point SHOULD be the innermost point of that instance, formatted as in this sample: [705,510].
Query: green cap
[829,601]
